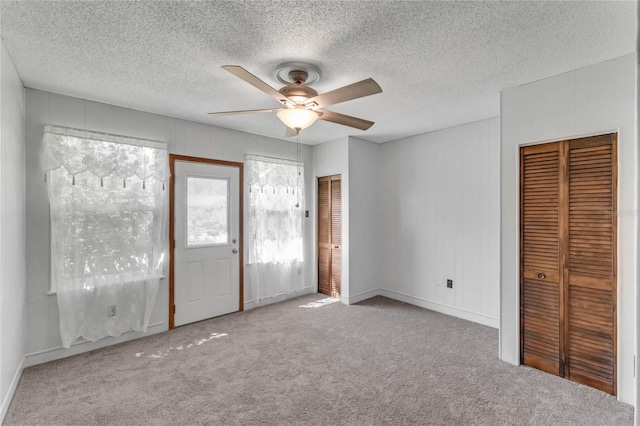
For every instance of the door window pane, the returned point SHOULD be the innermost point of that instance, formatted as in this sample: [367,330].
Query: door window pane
[207,211]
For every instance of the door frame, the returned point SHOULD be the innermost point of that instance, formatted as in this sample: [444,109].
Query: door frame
[172,160]
[564,249]
[331,178]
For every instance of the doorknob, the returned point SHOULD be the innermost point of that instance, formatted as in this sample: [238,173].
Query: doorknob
[541,276]
[235,251]
[234,241]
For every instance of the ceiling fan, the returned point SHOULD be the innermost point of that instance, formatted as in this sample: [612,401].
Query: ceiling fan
[302,105]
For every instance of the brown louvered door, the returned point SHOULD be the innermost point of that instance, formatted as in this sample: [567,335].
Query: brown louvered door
[329,235]
[568,254]
[591,269]
[541,277]
[324,236]
[336,236]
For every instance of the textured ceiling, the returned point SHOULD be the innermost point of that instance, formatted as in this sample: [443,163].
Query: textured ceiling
[439,63]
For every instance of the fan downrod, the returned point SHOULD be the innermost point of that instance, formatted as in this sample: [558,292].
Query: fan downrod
[298,76]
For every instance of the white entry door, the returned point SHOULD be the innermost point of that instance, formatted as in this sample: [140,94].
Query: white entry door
[207,232]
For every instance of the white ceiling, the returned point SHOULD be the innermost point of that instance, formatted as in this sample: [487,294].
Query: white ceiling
[439,63]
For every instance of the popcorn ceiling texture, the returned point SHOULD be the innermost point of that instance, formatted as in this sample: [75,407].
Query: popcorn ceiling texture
[439,63]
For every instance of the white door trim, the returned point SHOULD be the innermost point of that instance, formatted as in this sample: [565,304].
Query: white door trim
[172,159]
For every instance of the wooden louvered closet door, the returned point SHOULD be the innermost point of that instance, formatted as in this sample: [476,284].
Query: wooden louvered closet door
[329,235]
[336,237]
[591,266]
[541,276]
[568,259]
[324,236]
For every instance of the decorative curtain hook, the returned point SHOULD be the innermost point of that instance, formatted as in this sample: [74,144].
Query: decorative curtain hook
[144,186]
[101,183]
[124,183]
[73,180]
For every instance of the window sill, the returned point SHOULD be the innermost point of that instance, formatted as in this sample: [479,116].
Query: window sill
[54,292]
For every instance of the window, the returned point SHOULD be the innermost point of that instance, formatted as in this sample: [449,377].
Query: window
[275,225]
[207,211]
[108,229]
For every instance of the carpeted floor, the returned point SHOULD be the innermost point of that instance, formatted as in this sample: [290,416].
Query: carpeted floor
[378,362]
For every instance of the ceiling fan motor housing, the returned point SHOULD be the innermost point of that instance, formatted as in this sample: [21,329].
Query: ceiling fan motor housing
[298,92]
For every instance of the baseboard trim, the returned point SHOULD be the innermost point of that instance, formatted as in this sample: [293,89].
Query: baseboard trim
[279,298]
[357,298]
[59,352]
[443,309]
[12,389]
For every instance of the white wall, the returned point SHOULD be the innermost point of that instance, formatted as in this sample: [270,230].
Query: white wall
[597,99]
[332,158]
[13,331]
[637,399]
[438,205]
[182,137]
[363,219]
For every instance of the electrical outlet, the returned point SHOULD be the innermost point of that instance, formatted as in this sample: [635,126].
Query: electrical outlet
[449,283]
[111,311]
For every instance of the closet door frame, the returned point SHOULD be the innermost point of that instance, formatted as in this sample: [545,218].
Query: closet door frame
[331,245]
[564,250]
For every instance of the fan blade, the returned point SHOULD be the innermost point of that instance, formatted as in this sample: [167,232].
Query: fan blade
[345,120]
[244,111]
[245,75]
[353,91]
[289,133]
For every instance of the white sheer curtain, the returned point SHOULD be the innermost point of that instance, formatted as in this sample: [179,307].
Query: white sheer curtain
[108,229]
[275,225]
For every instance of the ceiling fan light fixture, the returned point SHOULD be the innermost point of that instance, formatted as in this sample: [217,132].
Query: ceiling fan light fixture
[298,118]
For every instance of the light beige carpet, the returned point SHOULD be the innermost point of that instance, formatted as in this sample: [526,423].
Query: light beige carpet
[378,362]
